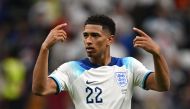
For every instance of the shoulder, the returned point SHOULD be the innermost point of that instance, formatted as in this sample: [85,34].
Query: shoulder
[81,64]
[125,61]
[68,65]
[73,63]
[72,67]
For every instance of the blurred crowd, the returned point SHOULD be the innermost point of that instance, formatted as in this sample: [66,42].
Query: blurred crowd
[24,24]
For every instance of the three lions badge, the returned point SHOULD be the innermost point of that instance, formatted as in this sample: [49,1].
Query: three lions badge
[121,78]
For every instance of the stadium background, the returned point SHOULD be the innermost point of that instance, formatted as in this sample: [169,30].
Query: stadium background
[24,25]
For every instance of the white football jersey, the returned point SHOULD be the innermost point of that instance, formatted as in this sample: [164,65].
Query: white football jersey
[101,87]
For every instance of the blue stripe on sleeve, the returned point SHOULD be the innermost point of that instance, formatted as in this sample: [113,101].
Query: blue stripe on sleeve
[145,79]
[59,88]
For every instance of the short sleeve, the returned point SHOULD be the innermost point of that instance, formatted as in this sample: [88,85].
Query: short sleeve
[140,73]
[60,76]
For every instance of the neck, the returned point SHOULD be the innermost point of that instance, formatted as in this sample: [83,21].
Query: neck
[101,60]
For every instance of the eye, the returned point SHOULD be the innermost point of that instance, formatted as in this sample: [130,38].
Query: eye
[85,35]
[95,34]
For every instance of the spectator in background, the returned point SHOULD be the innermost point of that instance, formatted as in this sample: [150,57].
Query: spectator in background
[13,77]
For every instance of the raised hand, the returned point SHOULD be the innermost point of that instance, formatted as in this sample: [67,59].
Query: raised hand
[55,35]
[145,42]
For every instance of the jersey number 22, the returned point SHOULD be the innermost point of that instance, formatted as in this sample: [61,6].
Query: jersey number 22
[94,95]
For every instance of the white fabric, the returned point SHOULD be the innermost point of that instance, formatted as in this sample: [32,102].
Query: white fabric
[104,87]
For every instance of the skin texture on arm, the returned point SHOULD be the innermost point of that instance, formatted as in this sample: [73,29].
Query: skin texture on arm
[159,80]
[41,84]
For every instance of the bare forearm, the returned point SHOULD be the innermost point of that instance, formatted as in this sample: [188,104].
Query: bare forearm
[40,72]
[42,85]
[159,80]
[161,72]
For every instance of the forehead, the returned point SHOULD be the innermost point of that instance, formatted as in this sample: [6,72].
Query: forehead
[93,28]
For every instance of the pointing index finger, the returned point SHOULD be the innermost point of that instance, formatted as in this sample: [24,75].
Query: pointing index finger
[60,26]
[140,32]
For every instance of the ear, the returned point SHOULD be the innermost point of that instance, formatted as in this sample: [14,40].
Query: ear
[110,40]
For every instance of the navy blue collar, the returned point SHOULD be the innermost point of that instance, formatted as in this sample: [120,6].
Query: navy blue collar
[87,64]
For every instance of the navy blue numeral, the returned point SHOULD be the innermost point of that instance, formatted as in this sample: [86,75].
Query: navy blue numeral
[97,99]
[88,99]
[99,91]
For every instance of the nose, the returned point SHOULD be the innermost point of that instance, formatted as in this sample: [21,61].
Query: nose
[88,40]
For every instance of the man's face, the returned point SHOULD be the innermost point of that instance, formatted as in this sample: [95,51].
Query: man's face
[96,40]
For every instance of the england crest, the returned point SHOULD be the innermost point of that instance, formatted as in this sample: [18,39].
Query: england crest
[121,78]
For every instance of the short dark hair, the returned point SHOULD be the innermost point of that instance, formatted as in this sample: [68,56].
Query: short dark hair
[105,21]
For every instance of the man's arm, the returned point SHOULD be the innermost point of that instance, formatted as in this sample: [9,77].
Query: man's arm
[159,80]
[41,84]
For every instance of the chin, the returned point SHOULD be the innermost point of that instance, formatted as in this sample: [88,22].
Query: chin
[90,55]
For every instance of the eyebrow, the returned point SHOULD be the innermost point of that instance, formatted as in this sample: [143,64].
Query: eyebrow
[90,33]
[85,33]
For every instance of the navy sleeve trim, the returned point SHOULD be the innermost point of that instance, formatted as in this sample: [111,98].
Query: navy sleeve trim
[58,87]
[145,79]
